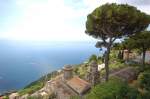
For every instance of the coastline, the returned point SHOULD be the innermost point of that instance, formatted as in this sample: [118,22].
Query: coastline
[17,70]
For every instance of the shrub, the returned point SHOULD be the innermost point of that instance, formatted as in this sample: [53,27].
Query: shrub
[93,58]
[132,93]
[145,96]
[113,89]
[5,97]
[144,80]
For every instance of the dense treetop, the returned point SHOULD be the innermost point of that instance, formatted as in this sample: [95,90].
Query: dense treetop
[140,40]
[111,20]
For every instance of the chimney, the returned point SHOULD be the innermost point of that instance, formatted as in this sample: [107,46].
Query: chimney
[93,67]
[68,72]
[94,73]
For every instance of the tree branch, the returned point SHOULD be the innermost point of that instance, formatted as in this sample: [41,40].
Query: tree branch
[114,39]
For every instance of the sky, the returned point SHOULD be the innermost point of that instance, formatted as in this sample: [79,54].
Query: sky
[51,20]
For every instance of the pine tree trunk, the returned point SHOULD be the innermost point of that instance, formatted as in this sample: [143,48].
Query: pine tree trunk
[122,54]
[107,63]
[143,58]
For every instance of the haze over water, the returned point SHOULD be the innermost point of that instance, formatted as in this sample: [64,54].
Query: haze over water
[23,62]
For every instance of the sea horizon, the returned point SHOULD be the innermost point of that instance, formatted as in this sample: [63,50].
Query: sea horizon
[24,62]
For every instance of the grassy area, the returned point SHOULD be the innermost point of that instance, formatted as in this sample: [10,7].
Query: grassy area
[36,86]
[114,89]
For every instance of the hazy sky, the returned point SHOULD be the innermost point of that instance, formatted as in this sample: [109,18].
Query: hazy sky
[53,20]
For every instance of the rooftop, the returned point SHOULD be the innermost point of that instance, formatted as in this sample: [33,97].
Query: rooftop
[78,85]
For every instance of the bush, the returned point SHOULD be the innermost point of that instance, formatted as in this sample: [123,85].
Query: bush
[132,93]
[107,90]
[144,80]
[145,96]
[113,89]
[5,97]
[93,58]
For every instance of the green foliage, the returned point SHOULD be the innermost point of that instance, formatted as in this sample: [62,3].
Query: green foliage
[113,55]
[105,90]
[82,70]
[144,80]
[93,58]
[118,64]
[36,85]
[34,97]
[31,89]
[75,97]
[132,93]
[76,70]
[113,89]
[118,46]
[116,20]
[145,96]
[139,41]
[96,58]
[5,97]
[115,63]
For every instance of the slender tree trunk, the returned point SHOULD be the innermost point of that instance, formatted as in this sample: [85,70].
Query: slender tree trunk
[107,63]
[122,54]
[119,55]
[127,60]
[143,58]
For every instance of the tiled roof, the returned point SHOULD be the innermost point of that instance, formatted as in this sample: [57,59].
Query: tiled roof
[78,85]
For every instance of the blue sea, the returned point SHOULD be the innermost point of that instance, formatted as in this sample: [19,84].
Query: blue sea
[23,62]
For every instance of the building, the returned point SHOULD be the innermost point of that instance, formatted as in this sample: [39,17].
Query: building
[67,85]
[14,96]
[64,86]
[128,55]
[78,85]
